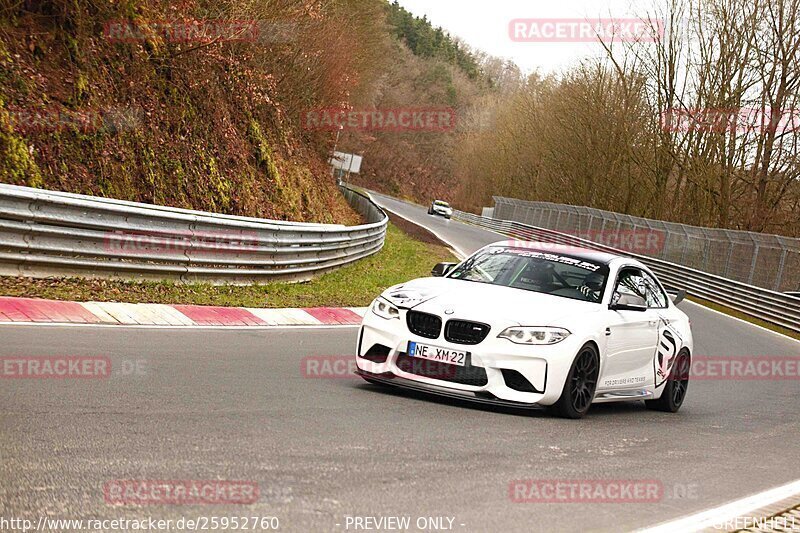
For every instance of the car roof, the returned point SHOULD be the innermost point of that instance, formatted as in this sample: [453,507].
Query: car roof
[573,251]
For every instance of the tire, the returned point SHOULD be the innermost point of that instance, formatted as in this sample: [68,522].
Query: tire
[581,384]
[676,386]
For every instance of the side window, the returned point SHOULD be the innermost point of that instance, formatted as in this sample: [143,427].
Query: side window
[655,296]
[630,282]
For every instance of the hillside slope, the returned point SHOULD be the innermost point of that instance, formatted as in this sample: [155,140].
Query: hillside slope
[197,123]
[201,104]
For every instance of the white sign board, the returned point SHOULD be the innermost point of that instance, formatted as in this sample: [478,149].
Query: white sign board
[346,162]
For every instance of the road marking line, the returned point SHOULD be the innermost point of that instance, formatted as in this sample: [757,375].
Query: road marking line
[117,312]
[237,316]
[332,315]
[162,314]
[151,326]
[743,321]
[142,314]
[32,314]
[49,312]
[280,317]
[299,316]
[175,315]
[96,308]
[459,253]
[10,311]
[271,317]
[130,310]
[729,511]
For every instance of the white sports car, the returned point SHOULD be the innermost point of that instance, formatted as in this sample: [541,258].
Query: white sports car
[439,207]
[532,325]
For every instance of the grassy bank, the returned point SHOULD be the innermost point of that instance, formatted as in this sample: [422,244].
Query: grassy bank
[403,257]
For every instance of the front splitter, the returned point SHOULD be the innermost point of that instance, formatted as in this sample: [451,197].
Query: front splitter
[482,398]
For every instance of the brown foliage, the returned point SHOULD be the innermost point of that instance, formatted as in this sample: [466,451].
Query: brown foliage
[660,130]
[212,124]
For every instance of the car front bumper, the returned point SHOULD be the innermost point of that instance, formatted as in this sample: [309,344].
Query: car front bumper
[426,388]
[503,363]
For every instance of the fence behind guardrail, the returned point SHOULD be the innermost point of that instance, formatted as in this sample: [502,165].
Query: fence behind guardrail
[763,260]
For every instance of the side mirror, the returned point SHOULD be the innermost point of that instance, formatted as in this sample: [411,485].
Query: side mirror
[627,302]
[442,269]
[678,296]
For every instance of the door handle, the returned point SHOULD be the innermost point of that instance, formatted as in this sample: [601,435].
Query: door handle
[653,322]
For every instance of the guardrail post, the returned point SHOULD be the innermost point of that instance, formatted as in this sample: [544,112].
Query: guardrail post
[706,250]
[779,276]
[731,244]
[685,245]
[753,263]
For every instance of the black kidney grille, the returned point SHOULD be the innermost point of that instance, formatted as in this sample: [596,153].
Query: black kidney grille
[423,324]
[465,332]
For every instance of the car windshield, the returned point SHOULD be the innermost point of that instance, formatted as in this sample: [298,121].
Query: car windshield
[536,270]
[441,204]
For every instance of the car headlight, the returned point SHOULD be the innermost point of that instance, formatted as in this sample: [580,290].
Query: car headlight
[534,335]
[384,309]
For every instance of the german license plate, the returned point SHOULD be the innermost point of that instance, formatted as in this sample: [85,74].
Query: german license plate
[434,353]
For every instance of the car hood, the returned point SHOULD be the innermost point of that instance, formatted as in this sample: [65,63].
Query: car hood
[482,302]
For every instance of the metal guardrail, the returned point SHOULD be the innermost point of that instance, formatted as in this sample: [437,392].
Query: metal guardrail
[774,307]
[46,233]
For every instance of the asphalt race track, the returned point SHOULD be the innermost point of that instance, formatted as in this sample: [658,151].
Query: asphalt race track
[235,405]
